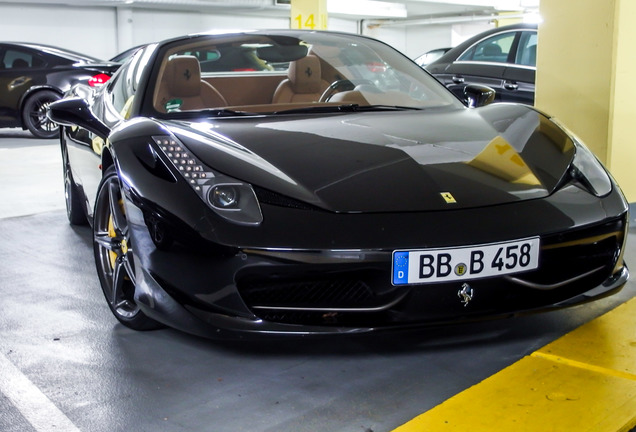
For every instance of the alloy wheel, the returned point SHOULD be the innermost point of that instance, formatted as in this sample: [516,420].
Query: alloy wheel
[113,250]
[35,118]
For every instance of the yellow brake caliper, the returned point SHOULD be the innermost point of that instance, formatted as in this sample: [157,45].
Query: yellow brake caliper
[112,234]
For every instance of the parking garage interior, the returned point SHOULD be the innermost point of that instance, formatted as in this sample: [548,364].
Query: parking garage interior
[67,365]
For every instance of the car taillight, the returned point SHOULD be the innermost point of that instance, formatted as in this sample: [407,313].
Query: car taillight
[98,80]
[377,67]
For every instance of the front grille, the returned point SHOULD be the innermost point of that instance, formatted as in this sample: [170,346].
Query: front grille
[338,295]
[566,257]
[320,299]
[325,293]
[567,263]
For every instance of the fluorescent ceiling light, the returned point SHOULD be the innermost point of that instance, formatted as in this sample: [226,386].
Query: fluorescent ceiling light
[367,8]
[496,4]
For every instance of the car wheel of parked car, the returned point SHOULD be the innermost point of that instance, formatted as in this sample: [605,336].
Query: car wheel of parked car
[34,114]
[74,210]
[114,255]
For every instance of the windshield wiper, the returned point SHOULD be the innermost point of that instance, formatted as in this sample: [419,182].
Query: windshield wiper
[224,112]
[345,108]
[209,112]
[319,109]
[388,108]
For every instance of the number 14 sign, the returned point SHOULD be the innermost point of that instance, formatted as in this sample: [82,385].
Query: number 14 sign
[309,14]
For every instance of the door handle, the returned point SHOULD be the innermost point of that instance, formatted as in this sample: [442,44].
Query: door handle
[18,82]
[511,85]
[458,79]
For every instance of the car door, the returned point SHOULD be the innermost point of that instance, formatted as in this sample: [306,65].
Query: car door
[519,76]
[484,63]
[111,104]
[18,69]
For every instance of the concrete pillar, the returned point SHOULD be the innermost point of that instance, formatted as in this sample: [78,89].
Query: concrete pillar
[584,63]
[622,143]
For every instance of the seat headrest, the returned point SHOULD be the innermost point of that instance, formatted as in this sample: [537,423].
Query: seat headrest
[183,76]
[492,50]
[19,63]
[305,75]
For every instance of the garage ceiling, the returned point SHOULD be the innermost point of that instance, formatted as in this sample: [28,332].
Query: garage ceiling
[415,9]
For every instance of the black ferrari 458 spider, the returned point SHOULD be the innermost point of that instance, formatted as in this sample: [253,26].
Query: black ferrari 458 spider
[291,182]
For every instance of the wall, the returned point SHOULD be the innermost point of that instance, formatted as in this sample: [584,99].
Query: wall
[152,25]
[415,40]
[584,77]
[86,30]
[95,31]
[104,31]
[420,39]
[621,149]
[574,74]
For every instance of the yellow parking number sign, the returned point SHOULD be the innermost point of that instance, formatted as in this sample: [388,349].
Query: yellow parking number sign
[309,14]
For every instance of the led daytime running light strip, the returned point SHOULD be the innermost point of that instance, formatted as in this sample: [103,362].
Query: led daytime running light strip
[189,166]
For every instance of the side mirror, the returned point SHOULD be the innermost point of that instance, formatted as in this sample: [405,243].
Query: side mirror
[477,96]
[76,112]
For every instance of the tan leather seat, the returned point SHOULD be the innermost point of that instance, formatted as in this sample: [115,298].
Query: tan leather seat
[182,89]
[303,84]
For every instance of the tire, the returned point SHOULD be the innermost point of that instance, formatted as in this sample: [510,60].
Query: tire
[114,255]
[74,208]
[34,114]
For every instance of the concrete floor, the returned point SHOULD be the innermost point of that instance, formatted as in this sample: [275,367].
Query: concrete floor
[67,365]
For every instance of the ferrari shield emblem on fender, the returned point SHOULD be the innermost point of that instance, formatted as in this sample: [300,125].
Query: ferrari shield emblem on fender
[466,294]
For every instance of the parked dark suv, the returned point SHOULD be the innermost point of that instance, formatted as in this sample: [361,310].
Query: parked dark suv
[33,75]
[503,58]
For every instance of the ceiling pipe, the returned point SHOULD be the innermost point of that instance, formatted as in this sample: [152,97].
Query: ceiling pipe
[438,20]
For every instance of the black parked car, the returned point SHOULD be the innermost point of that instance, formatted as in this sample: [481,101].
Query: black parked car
[33,75]
[503,58]
[430,56]
[124,55]
[350,193]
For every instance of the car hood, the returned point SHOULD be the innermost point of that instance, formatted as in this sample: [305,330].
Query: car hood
[388,161]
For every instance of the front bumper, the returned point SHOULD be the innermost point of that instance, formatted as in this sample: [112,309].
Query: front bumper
[159,305]
[301,292]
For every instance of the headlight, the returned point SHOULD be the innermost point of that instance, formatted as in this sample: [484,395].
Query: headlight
[587,170]
[228,197]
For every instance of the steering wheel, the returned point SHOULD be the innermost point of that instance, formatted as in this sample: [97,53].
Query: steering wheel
[335,87]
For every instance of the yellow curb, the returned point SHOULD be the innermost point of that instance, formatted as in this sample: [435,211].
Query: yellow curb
[584,381]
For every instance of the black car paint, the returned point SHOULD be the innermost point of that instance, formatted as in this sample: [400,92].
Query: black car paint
[407,150]
[202,282]
[365,228]
[206,252]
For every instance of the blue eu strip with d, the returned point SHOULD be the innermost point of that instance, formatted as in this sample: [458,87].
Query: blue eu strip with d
[400,268]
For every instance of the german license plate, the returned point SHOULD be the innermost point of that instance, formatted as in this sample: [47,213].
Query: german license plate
[465,262]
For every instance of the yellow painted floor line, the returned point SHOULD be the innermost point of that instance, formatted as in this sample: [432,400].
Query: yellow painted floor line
[584,381]
[583,365]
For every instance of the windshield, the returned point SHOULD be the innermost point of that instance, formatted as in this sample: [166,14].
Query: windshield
[288,71]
